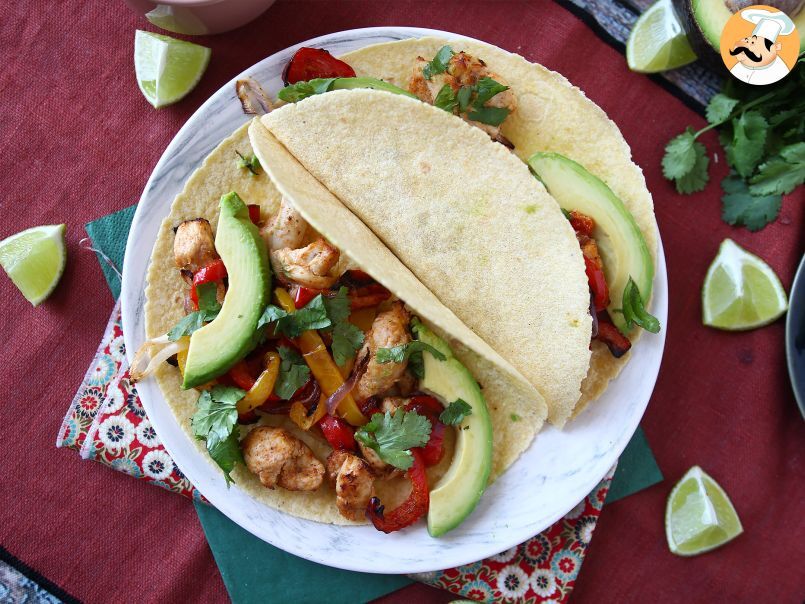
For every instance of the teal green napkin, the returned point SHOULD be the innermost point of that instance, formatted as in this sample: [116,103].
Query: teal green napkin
[254,571]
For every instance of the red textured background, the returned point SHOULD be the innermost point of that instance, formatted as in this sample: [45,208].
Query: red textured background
[79,141]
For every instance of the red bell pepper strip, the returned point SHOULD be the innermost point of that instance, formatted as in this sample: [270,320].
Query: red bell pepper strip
[214,271]
[410,510]
[617,343]
[310,63]
[241,376]
[254,213]
[597,282]
[429,407]
[338,433]
[303,295]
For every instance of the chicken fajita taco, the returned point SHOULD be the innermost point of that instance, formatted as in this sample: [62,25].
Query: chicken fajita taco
[364,305]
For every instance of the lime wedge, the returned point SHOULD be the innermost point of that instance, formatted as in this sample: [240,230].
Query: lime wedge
[34,260]
[657,41]
[699,516]
[167,68]
[741,291]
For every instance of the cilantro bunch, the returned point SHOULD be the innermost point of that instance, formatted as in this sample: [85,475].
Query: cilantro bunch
[762,130]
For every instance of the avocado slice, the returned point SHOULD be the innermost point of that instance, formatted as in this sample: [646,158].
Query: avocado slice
[217,346]
[620,241]
[459,490]
[365,82]
[704,20]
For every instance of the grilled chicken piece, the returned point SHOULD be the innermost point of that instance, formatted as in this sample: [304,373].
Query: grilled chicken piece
[310,266]
[354,483]
[462,70]
[389,329]
[280,459]
[194,245]
[287,230]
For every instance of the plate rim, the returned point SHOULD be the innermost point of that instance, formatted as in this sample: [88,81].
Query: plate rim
[129,307]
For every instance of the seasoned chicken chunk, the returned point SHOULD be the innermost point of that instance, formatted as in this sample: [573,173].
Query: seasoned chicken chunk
[310,266]
[194,245]
[463,70]
[389,329]
[354,483]
[280,459]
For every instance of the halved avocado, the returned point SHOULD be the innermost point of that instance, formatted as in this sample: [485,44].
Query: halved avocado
[704,20]
[458,492]
[620,241]
[217,346]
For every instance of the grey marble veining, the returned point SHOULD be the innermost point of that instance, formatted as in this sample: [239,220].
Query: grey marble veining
[551,477]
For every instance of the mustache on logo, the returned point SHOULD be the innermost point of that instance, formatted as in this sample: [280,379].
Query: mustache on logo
[749,54]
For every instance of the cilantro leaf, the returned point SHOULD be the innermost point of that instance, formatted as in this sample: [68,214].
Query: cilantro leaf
[337,306]
[719,108]
[347,340]
[208,310]
[749,138]
[634,310]
[446,99]
[398,354]
[485,89]
[293,374]
[270,314]
[226,453]
[392,436]
[439,62]
[455,412]
[208,297]
[463,97]
[312,316]
[741,208]
[416,363]
[685,162]
[781,174]
[215,422]
[301,90]
[251,163]
[492,116]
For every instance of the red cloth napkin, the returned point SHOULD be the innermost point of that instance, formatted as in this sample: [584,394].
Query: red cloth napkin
[106,422]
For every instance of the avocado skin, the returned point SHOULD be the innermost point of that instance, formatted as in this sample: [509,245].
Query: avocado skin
[217,346]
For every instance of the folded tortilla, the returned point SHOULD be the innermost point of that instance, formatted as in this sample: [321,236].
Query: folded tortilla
[516,408]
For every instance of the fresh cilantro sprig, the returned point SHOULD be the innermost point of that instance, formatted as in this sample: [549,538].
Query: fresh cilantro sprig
[250,163]
[439,62]
[634,310]
[455,412]
[293,374]
[398,354]
[301,90]
[347,338]
[472,101]
[312,316]
[208,309]
[393,436]
[215,422]
[762,132]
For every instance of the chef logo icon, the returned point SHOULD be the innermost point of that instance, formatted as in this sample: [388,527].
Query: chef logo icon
[759,45]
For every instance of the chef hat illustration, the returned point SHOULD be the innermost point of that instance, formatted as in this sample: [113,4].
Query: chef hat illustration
[769,25]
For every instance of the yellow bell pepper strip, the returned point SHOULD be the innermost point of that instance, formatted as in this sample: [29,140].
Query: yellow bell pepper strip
[263,387]
[299,413]
[321,364]
[363,318]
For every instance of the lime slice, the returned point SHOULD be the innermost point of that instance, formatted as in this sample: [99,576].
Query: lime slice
[167,68]
[699,516]
[34,259]
[740,291]
[657,41]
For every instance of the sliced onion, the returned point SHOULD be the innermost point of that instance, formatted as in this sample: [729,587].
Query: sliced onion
[345,388]
[252,98]
[167,350]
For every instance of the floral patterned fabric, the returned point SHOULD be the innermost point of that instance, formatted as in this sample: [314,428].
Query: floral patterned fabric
[107,423]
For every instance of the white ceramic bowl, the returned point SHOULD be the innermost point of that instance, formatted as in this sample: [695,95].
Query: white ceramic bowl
[548,480]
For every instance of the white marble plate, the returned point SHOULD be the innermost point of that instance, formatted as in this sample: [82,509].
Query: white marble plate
[551,477]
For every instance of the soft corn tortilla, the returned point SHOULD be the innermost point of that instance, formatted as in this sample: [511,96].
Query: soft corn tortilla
[508,393]
[551,115]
